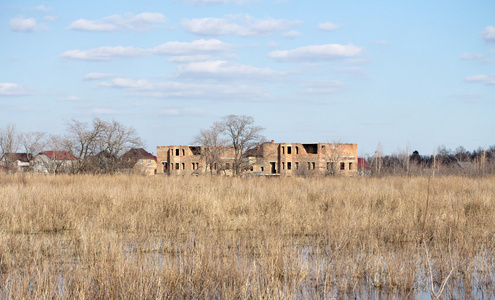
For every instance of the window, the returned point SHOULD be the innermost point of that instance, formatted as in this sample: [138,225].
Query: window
[177,166]
[283,150]
[194,166]
[350,166]
[289,150]
[297,150]
[289,164]
[309,165]
[183,166]
[283,166]
[183,152]
[313,165]
[251,168]
[171,152]
[227,166]
[176,152]
[342,166]
[262,169]
[297,165]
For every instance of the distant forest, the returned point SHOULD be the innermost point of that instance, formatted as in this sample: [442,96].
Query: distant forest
[443,162]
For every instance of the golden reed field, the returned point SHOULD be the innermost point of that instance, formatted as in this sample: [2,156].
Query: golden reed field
[135,237]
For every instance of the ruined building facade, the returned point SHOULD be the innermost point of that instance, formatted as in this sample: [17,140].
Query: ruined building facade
[300,159]
[280,159]
[193,160]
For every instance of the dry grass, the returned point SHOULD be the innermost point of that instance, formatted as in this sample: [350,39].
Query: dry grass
[108,237]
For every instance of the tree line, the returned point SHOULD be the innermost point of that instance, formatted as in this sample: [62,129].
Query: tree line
[443,161]
[97,146]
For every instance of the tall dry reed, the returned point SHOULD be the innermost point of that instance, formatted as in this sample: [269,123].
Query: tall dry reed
[109,237]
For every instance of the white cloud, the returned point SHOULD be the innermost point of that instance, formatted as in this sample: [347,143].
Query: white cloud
[480,57]
[181,90]
[170,112]
[105,53]
[291,34]
[98,76]
[13,89]
[239,25]
[39,8]
[181,49]
[71,99]
[105,111]
[328,26]
[323,87]
[489,34]
[490,80]
[197,47]
[201,2]
[189,58]
[128,22]
[225,70]
[23,24]
[317,53]
[50,18]
[381,42]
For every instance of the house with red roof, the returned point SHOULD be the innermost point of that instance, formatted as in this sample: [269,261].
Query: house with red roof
[54,162]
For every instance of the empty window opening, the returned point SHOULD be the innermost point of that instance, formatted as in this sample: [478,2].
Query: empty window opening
[350,166]
[273,168]
[289,150]
[297,150]
[311,148]
[297,165]
[251,168]
[183,152]
[196,150]
[177,166]
[309,165]
[283,150]
[262,169]
[342,166]
[183,166]
[227,166]
[283,166]
[194,166]
[177,152]
[289,165]
[313,165]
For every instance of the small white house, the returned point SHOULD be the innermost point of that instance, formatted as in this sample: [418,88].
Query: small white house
[53,162]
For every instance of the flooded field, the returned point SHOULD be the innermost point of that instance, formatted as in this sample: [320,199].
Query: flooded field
[109,237]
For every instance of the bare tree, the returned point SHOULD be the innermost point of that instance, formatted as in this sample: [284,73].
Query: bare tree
[98,147]
[9,144]
[116,139]
[214,145]
[243,134]
[34,142]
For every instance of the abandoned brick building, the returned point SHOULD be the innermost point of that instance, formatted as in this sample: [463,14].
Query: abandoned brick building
[299,159]
[191,160]
[285,159]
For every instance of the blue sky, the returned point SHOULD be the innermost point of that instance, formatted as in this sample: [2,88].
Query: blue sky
[414,75]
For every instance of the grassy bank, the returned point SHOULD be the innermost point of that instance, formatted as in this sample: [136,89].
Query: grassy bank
[159,237]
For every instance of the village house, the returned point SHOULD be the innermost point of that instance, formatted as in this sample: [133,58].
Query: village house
[53,162]
[138,161]
[16,162]
[282,159]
